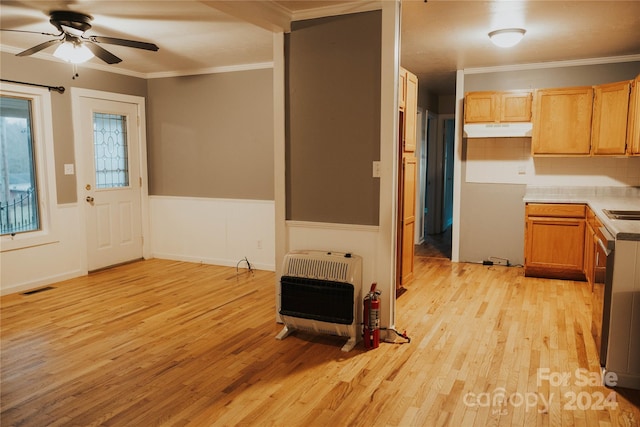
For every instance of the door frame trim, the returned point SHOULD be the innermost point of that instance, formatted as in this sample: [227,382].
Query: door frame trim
[442,146]
[139,102]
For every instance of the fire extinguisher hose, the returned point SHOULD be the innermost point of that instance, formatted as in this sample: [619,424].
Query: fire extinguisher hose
[402,335]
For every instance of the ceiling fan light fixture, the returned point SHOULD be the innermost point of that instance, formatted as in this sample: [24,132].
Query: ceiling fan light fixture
[507,37]
[76,53]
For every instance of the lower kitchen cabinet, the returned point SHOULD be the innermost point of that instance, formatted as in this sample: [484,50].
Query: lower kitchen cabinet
[554,240]
[589,246]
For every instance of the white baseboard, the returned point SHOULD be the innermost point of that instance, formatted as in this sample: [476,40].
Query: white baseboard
[43,281]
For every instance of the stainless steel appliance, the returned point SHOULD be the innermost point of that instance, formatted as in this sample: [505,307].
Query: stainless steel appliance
[602,287]
[616,309]
[624,215]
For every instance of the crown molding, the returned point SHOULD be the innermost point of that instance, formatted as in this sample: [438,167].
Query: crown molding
[211,70]
[123,71]
[553,64]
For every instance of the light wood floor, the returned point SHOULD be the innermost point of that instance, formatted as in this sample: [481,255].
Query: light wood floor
[172,343]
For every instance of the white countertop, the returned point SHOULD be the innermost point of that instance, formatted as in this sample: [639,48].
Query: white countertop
[597,198]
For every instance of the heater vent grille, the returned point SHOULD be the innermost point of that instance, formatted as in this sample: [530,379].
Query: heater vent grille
[318,269]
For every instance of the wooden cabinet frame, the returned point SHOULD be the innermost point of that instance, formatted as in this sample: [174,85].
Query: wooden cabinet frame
[498,107]
[610,118]
[407,179]
[554,241]
[587,120]
[562,121]
[633,125]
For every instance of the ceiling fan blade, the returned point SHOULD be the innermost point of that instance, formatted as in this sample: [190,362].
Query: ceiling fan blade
[123,42]
[38,48]
[31,32]
[103,54]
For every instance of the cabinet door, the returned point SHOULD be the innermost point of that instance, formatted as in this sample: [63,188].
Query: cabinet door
[589,251]
[410,113]
[480,107]
[402,88]
[407,224]
[610,114]
[515,106]
[554,247]
[633,127]
[562,121]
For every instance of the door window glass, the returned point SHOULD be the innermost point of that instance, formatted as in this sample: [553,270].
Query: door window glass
[111,150]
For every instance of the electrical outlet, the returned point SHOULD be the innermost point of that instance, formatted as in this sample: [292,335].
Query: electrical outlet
[259,244]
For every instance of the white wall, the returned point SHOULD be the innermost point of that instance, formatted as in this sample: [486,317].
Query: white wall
[509,161]
[213,231]
[41,265]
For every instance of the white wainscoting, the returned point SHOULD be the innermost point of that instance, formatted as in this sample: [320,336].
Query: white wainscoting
[36,266]
[213,231]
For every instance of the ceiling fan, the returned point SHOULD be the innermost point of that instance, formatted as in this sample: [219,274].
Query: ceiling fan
[72,27]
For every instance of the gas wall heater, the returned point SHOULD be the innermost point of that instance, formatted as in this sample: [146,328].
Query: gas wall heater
[321,292]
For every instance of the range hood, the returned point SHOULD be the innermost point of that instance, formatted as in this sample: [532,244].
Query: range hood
[497,130]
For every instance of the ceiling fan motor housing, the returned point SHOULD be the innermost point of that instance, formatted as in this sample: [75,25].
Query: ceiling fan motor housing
[64,18]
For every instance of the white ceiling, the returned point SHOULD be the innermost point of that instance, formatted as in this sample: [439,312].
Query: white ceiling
[438,36]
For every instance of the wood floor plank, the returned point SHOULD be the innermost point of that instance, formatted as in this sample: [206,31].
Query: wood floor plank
[162,342]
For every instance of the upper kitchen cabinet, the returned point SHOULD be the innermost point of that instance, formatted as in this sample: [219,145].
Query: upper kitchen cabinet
[480,107]
[498,107]
[610,117]
[562,121]
[633,128]
[515,106]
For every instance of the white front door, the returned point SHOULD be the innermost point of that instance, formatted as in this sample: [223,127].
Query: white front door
[110,181]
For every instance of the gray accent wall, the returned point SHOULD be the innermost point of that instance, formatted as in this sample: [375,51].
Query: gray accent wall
[492,215]
[333,119]
[53,73]
[212,135]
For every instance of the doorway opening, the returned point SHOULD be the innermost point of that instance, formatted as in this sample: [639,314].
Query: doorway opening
[437,146]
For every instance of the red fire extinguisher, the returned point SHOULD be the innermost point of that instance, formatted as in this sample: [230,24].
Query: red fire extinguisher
[371,318]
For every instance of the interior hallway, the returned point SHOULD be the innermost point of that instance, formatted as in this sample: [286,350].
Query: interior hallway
[435,245]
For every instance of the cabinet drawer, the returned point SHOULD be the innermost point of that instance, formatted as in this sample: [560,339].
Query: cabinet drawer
[557,210]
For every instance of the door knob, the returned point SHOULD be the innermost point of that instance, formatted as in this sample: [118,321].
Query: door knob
[89,199]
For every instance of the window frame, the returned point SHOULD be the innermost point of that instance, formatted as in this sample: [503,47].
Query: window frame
[42,144]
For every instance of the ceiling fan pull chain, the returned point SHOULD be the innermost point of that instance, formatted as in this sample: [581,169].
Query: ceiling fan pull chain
[74,68]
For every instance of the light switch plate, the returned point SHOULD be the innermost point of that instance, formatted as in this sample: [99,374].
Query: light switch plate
[376,169]
[69,169]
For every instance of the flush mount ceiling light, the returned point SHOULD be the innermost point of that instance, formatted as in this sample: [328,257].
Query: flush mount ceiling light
[74,52]
[507,37]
